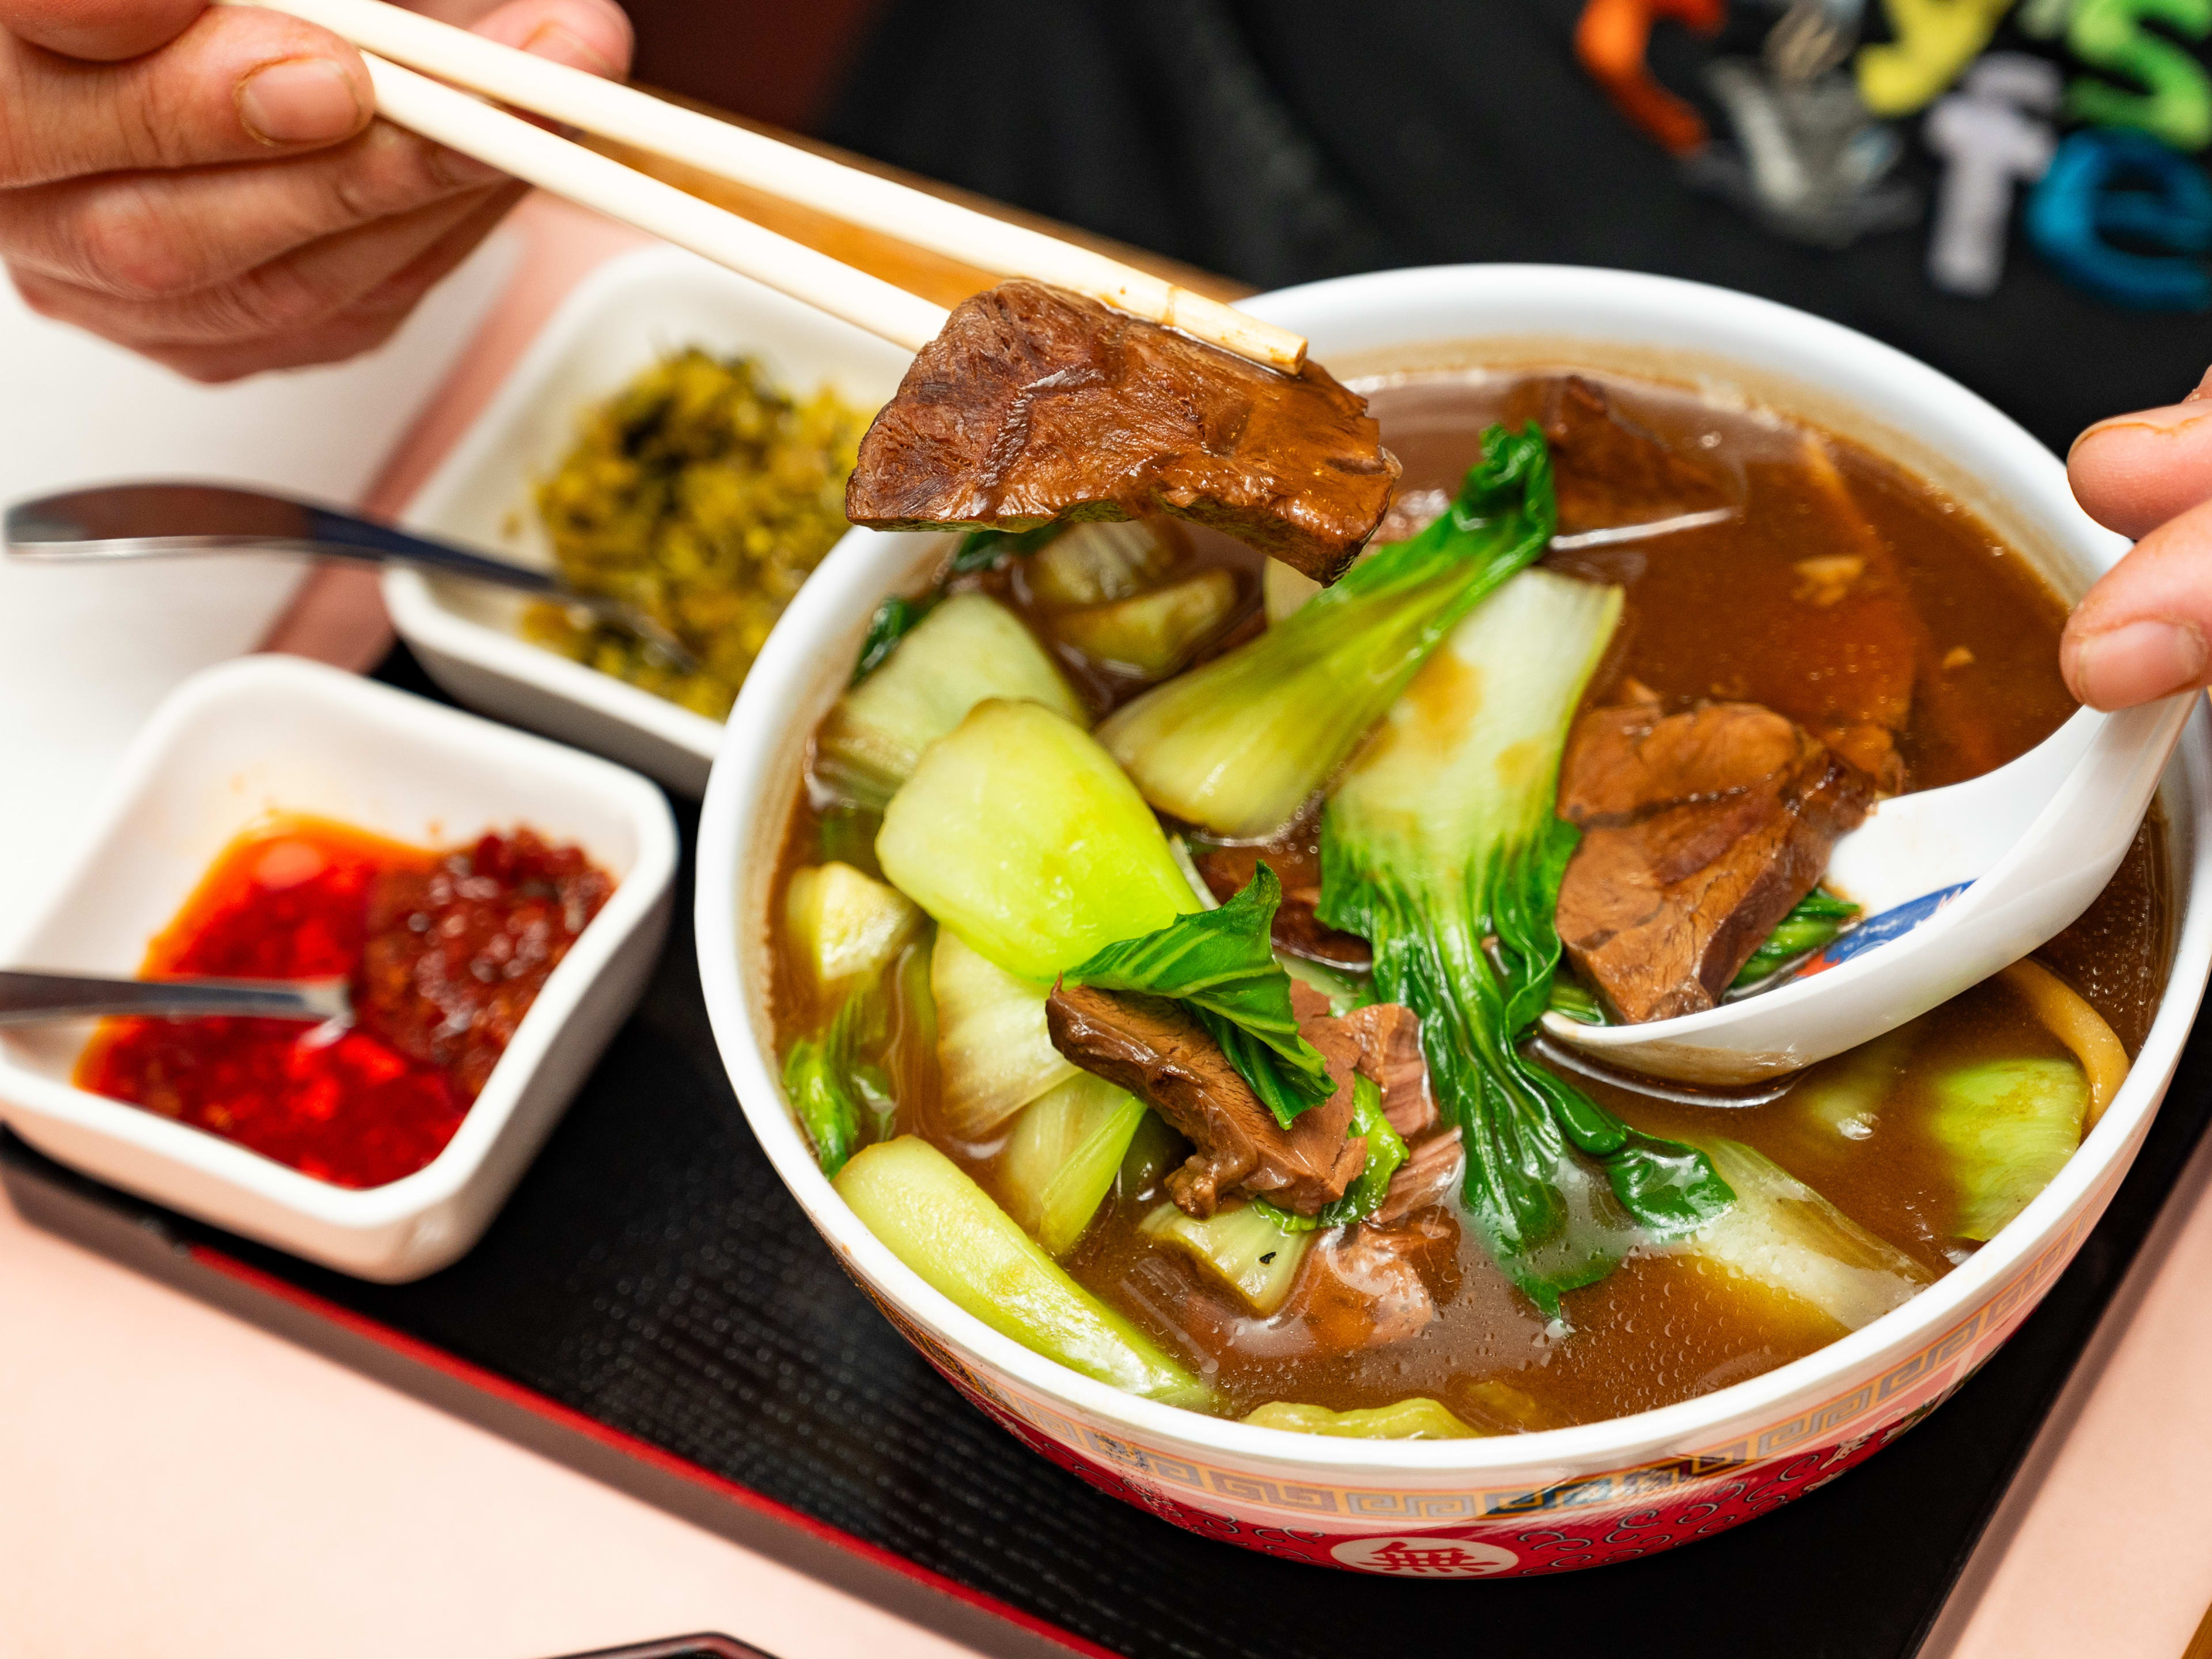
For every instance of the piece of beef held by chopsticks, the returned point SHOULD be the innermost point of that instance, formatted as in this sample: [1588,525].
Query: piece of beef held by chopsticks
[1036,403]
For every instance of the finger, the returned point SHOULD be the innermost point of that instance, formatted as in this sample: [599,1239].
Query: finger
[160,235]
[2141,631]
[360,327]
[235,86]
[103,31]
[304,287]
[586,34]
[2134,471]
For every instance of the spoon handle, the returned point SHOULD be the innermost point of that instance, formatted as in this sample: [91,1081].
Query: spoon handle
[156,520]
[25,997]
[149,520]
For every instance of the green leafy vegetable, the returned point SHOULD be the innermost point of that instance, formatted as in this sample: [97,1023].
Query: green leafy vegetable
[1221,965]
[966,649]
[1442,848]
[994,1054]
[1386,1151]
[979,550]
[2007,1126]
[1239,745]
[1813,924]
[1018,832]
[830,1088]
[1783,1234]
[1152,634]
[1095,563]
[1154,1149]
[894,618]
[842,928]
[1063,1155]
[848,835]
[1418,1419]
[1242,1245]
[1575,1003]
[945,1228]
[899,614]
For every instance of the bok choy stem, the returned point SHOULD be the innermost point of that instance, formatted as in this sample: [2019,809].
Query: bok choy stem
[1442,847]
[1241,744]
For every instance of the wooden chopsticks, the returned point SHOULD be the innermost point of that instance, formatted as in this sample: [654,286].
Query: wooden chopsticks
[613,111]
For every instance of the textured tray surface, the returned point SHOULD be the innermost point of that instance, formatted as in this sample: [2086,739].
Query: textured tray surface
[652,1273]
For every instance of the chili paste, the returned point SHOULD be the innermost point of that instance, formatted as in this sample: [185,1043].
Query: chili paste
[443,954]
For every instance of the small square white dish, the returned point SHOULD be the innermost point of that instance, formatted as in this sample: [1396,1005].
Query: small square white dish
[269,734]
[634,310]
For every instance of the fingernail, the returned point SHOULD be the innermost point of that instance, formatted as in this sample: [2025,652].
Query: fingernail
[2135,662]
[2170,419]
[301,100]
[560,44]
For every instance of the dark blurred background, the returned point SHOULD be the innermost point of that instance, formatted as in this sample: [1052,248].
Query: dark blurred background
[1277,141]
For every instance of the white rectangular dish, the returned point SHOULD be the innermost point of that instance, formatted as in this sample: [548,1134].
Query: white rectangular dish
[636,308]
[275,734]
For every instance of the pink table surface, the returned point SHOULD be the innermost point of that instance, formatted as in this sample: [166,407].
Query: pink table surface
[174,1482]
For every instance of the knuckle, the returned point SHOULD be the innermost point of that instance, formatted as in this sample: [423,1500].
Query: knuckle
[386,172]
[123,242]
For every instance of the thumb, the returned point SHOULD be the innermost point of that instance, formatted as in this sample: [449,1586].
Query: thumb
[2136,471]
[2142,632]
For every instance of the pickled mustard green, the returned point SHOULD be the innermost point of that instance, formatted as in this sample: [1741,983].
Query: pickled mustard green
[703,494]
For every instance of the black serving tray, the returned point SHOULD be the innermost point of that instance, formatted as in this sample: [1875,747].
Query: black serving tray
[653,1307]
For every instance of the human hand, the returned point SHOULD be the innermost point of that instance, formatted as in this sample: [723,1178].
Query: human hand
[206,185]
[2141,631]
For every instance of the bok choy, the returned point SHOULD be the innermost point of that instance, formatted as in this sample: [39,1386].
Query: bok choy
[1443,848]
[2006,1126]
[1241,744]
[1417,1418]
[843,927]
[1246,1247]
[1021,834]
[1060,1161]
[1781,1234]
[965,649]
[945,1228]
[993,1054]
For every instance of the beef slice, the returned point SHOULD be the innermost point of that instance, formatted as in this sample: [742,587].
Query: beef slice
[1701,831]
[1035,403]
[1156,1050]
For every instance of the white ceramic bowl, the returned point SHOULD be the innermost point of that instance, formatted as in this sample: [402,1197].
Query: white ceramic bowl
[267,734]
[1564,1497]
[636,309]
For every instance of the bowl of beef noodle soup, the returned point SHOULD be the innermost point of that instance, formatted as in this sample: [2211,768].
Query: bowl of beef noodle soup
[1132,953]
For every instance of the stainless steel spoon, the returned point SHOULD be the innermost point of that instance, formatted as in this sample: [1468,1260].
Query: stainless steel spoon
[28,996]
[154,520]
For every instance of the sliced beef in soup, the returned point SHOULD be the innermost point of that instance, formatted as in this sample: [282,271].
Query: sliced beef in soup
[1701,831]
[1610,472]
[1380,1041]
[1036,403]
[1429,1176]
[1162,1054]
[1362,1286]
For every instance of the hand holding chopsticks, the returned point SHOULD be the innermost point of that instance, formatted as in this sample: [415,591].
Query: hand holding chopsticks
[612,111]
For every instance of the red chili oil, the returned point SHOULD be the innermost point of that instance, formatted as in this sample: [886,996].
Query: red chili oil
[443,953]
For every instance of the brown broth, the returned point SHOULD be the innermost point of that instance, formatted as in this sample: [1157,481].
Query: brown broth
[1949,640]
